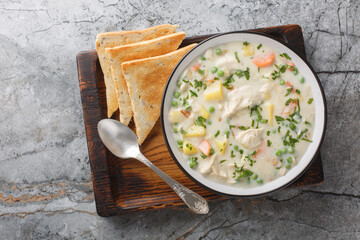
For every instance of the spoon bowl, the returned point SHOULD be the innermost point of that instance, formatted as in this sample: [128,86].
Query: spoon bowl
[118,138]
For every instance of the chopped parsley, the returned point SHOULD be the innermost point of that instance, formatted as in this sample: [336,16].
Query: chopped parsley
[200,121]
[285,55]
[241,73]
[201,72]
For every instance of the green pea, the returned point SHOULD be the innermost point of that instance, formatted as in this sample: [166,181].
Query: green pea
[291,150]
[284,150]
[220,73]
[175,130]
[278,153]
[282,82]
[174,103]
[214,70]
[211,109]
[302,80]
[289,159]
[260,181]
[288,166]
[255,176]
[203,58]
[176,94]
[292,126]
[218,51]
[192,163]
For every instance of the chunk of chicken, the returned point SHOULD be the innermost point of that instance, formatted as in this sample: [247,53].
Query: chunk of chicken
[242,98]
[251,138]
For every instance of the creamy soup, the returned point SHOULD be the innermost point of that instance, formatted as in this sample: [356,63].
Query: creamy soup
[242,114]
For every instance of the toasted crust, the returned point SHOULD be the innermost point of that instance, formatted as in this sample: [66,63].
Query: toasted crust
[146,79]
[113,39]
[129,52]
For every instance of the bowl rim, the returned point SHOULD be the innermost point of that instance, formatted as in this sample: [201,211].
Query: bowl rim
[239,195]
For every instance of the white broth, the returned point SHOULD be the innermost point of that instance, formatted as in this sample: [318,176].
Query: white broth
[242,114]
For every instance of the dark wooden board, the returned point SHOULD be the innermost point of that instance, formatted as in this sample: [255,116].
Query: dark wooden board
[128,185]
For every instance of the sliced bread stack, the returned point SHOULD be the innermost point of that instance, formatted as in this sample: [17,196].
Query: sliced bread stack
[136,67]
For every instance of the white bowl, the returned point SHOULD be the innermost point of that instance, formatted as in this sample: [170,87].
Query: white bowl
[320,116]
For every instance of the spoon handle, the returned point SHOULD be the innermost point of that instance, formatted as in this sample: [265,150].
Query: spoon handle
[194,201]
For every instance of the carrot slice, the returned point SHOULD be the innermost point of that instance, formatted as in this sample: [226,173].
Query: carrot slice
[205,147]
[264,60]
[210,81]
[262,147]
[196,67]
[185,113]
[291,64]
[289,85]
[288,109]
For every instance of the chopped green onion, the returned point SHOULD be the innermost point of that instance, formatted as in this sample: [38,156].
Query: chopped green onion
[236,56]
[217,133]
[310,100]
[193,94]
[227,133]
[259,46]
[174,103]
[176,94]
[183,131]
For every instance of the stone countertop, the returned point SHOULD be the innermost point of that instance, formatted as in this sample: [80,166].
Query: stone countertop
[45,180]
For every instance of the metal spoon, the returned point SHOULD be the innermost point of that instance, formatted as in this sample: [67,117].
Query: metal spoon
[122,142]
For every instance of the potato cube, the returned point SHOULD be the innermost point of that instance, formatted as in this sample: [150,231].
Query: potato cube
[270,111]
[176,116]
[188,148]
[214,92]
[204,113]
[248,50]
[221,146]
[195,131]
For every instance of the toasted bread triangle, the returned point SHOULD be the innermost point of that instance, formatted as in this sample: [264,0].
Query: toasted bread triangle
[146,79]
[145,49]
[112,39]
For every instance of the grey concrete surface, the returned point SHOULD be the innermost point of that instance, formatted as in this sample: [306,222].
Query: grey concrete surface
[45,181]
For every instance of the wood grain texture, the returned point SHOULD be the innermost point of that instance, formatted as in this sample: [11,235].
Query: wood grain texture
[128,185]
